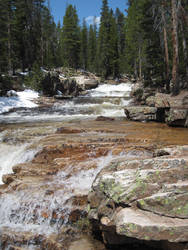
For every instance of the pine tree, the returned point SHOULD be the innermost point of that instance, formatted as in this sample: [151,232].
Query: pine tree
[120,20]
[108,43]
[134,39]
[84,46]
[103,41]
[113,47]
[92,48]
[71,38]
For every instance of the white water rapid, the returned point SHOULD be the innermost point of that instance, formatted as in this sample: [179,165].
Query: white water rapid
[106,100]
[43,208]
[34,211]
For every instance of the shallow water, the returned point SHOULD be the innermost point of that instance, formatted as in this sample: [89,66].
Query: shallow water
[44,206]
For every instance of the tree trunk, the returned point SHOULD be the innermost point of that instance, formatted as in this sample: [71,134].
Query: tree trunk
[166,51]
[140,63]
[135,69]
[9,40]
[175,81]
[184,45]
[184,15]
[185,52]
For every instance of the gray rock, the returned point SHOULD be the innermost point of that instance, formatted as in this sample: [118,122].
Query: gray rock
[177,117]
[143,199]
[90,84]
[11,93]
[141,113]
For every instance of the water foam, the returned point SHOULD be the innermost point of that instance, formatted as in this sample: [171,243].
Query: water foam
[33,210]
[24,99]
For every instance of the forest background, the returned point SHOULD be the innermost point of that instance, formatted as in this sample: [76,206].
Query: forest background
[150,42]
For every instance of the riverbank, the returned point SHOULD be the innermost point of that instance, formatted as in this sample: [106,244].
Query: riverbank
[151,105]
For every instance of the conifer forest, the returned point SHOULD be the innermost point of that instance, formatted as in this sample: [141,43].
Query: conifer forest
[148,40]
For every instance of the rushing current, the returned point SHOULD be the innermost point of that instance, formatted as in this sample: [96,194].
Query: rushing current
[19,143]
[106,100]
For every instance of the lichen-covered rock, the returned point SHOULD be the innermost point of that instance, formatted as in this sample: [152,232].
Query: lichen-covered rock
[141,113]
[143,225]
[150,101]
[177,117]
[145,199]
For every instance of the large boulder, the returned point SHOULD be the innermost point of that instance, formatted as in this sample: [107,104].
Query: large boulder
[143,199]
[141,113]
[68,87]
[85,83]
[160,107]
[177,117]
[90,84]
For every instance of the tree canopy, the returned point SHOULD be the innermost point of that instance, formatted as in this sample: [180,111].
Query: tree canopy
[149,41]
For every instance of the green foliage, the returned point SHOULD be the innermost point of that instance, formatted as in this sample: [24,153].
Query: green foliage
[6,83]
[132,44]
[138,93]
[71,38]
[34,79]
[84,46]
[92,48]
[27,35]
[108,57]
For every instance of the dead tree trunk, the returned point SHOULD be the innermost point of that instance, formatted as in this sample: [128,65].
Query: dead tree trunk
[166,51]
[175,66]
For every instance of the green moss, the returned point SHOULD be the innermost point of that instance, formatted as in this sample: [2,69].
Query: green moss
[142,202]
[182,210]
[88,208]
[83,224]
[146,238]
[131,227]
[171,233]
[166,201]
[113,166]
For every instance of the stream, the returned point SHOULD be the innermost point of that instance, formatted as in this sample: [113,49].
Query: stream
[56,150]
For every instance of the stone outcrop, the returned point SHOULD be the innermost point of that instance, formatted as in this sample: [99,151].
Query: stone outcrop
[166,108]
[69,84]
[141,113]
[144,199]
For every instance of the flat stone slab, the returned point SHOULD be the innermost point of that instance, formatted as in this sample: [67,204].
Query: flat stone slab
[148,226]
[144,199]
[141,113]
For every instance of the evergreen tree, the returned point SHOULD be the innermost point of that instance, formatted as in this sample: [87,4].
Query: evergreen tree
[103,41]
[92,48]
[113,47]
[71,38]
[134,37]
[59,61]
[120,20]
[108,43]
[84,46]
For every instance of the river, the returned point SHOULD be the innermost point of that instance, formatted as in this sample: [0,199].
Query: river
[60,147]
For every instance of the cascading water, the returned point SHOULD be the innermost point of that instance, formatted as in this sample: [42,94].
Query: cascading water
[44,207]
[106,100]
[11,155]
[35,211]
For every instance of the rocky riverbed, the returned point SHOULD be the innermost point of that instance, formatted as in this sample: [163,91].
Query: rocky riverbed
[77,175]
[44,202]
